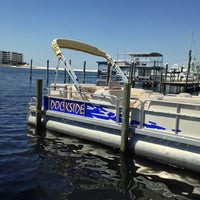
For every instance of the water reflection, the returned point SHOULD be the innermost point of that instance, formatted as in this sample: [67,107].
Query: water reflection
[71,168]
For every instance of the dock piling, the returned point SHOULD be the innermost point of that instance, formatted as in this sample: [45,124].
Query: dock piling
[38,124]
[47,74]
[69,79]
[84,68]
[131,73]
[31,70]
[188,69]
[125,117]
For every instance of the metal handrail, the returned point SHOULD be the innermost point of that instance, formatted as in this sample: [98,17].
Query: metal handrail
[177,113]
[32,101]
[116,106]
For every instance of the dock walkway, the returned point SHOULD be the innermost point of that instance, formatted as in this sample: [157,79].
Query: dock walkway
[179,85]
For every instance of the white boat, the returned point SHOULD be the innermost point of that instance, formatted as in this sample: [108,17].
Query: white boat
[103,72]
[161,128]
[146,67]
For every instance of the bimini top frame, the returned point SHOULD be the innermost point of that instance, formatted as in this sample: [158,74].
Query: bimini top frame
[57,44]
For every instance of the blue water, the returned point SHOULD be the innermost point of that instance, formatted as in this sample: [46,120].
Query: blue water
[60,167]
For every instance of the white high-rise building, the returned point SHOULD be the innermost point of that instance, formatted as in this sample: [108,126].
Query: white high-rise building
[12,58]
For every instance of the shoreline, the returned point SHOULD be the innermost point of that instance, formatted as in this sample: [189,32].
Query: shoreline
[44,68]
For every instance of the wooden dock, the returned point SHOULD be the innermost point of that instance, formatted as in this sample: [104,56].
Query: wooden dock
[180,86]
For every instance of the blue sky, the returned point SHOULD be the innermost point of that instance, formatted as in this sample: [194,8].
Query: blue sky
[116,26]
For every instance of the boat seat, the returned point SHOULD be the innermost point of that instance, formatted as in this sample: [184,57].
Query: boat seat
[153,100]
[113,85]
[113,88]
[108,94]
[59,85]
[184,95]
[90,88]
[139,94]
[136,92]
[156,96]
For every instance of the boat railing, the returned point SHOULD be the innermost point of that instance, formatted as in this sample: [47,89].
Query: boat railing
[32,106]
[76,95]
[178,111]
[32,103]
[137,104]
[110,102]
[116,104]
[174,110]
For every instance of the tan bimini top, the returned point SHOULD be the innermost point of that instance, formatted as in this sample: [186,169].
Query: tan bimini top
[57,44]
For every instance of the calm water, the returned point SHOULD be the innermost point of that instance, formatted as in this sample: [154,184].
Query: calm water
[61,167]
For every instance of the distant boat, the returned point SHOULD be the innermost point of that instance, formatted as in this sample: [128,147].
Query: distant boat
[147,67]
[103,74]
[179,73]
[146,70]
[161,127]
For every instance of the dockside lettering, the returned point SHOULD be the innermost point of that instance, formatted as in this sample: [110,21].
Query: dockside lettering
[68,107]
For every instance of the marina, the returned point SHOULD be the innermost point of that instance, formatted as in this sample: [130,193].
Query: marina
[56,166]
[143,69]
[184,78]
[100,100]
[149,124]
[179,86]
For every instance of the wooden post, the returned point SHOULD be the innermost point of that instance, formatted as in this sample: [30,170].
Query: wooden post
[126,163]
[108,74]
[134,71]
[38,124]
[65,73]
[154,75]
[182,69]
[84,68]
[31,70]
[70,62]
[166,72]
[131,73]
[125,117]
[198,78]
[47,75]
[165,78]
[161,82]
[188,70]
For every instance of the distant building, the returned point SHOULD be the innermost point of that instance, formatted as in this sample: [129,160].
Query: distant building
[11,58]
